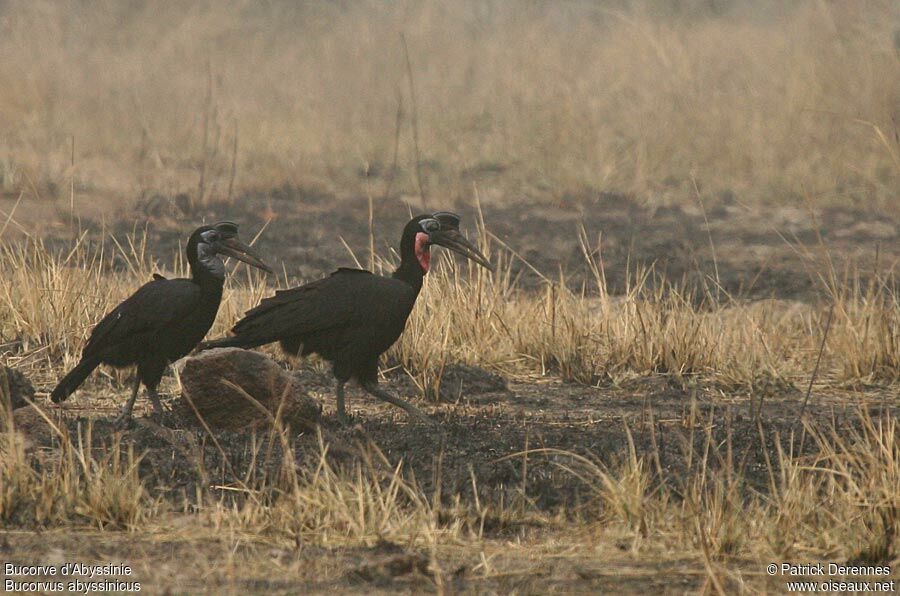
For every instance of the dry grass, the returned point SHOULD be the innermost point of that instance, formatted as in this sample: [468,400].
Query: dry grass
[330,507]
[471,316]
[759,99]
[838,505]
[655,328]
[74,485]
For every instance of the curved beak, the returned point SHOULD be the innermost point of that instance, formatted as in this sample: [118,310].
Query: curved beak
[456,242]
[233,247]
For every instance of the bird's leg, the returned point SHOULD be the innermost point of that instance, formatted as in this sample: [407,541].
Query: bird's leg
[372,388]
[154,398]
[339,392]
[124,419]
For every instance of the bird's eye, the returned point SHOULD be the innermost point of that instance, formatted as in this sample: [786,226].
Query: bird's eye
[431,225]
[211,236]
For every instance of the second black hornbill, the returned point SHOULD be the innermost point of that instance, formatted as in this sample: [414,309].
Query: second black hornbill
[351,317]
[164,319]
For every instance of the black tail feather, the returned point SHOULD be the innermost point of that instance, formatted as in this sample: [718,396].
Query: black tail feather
[74,379]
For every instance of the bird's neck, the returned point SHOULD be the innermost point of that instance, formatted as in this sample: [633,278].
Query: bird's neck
[415,260]
[410,272]
[207,268]
[208,274]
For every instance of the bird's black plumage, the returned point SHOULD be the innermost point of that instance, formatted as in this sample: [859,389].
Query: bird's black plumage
[348,318]
[164,319]
[353,316]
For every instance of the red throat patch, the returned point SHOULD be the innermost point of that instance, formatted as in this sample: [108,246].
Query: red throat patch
[423,252]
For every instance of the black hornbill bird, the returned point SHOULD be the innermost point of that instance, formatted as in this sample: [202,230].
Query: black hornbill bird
[165,319]
[351,317]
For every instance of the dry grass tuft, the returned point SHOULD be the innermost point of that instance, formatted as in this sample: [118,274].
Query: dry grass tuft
[471,316]
[656,328]
[78,484]
[331,507]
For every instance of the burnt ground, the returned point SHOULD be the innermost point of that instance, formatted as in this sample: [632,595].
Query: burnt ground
[758,253]
[481,435]
[486,436]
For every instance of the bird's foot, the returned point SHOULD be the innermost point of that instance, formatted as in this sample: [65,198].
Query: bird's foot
[158,409]
[412,411]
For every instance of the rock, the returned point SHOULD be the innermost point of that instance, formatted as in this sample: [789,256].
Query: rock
[14,388]
[220,383]
[461,381]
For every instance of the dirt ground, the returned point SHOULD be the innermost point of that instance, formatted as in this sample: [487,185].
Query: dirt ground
[757,253]
[204,561]
[477,436]
[186,553]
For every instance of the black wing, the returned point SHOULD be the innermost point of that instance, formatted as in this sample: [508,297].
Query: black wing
[347,298]
[155,305]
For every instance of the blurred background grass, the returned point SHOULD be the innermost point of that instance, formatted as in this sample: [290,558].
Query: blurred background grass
[759,100]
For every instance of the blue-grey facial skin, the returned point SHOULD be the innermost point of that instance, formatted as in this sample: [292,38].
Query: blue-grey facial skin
[430,225]
[206,254]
